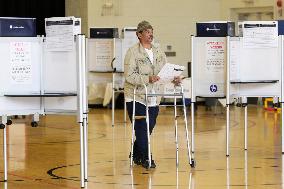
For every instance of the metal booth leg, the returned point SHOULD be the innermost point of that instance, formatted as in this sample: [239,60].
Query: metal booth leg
[82,155]
[245,105]
[246,127]
[192,131]
[4,121]
[282,128]
[113,101]
[85,125]
[227,129]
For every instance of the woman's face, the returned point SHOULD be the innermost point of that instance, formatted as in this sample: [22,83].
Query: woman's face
[146,36]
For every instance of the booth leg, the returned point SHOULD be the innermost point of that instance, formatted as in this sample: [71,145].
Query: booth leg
[82,158]
[192,127]
[112,108]
[4,121]
[227,130]
[282,128]
[112,100]
[5,154]
[192,162]
[246,128]
[86,148]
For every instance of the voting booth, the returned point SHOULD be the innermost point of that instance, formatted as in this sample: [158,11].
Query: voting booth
[238,68]
[105,56]
[35,82]
[40,77]
[255,63]
[208,71]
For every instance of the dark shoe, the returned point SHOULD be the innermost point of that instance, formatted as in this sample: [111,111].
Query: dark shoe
[145,164]
[136,159]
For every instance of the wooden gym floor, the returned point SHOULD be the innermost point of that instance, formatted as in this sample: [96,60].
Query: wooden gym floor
[48,156]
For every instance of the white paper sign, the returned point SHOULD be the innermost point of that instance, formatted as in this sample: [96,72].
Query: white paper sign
[260,34]
[215,56]
[104,54]
[59,34]
[20,60]
[235,60]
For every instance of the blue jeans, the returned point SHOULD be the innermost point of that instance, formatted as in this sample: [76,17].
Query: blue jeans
[140,127]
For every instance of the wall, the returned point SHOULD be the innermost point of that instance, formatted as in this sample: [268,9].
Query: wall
[78,8]
[228,7]
[173,20]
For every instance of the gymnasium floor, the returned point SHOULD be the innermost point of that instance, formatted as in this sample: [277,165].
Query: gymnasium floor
[48,156]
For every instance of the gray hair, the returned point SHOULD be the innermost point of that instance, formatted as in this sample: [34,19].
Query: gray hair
[144,25]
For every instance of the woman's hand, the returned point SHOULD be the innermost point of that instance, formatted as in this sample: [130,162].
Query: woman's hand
[177,80]
[154,78]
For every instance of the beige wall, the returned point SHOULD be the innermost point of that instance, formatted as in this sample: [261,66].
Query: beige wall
[173,20]
[228,6]
[78,8]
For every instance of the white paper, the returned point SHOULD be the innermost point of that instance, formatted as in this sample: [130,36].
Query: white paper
[20,60]
[104,55]
[169,72]
[235,60]
[260,34]
[215,56]
[60,33]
